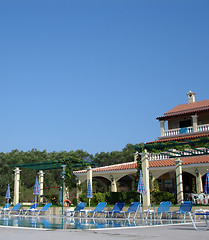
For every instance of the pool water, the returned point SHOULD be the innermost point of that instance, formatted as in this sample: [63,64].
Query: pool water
[77,223]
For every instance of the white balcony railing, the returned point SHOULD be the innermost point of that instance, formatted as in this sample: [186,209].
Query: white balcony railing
[157,156]
[189,152]
[202,128]
[178,131]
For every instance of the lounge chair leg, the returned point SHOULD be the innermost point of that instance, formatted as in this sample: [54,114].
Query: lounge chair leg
[193,222]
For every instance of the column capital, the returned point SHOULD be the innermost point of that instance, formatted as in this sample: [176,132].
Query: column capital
[144,153]
[88,168]
[17,170]
[178,161]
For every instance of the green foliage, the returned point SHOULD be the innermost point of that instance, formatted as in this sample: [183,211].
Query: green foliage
[111,197]
[159,196]
[162,147]
[52,177]
[156,186]
[53,198]
[115,157]
[74,201]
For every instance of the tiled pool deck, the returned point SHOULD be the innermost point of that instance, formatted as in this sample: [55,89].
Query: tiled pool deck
[169,232]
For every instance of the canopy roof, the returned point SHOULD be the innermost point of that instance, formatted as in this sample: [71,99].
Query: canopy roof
[172,149]
[58,164]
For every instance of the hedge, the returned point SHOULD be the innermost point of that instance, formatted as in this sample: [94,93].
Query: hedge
[127,197]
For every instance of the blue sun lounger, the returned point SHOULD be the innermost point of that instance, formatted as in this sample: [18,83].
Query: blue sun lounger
[29,210]
[185,208]
[98,209]
[116,209]
[77,210]
[44,210]
[205,216]
[5,208]
[133,209]
[15,209]
[162,209]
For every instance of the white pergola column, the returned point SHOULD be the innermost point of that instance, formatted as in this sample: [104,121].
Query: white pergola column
[78,192]
[136,156]
[145,173]
[16,185]
[41,185]
[179,181]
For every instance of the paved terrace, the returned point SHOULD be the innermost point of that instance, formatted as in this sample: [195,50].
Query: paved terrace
[183,231]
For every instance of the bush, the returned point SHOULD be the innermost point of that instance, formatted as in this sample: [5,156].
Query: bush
[54,199]
[112,197]
[159,196]
[74,202]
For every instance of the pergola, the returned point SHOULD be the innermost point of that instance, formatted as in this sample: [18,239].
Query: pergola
[41,167]
[171,149]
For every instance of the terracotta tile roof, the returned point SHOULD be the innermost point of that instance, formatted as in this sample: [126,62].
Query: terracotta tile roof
[152,164]
[122,166]
[185,161]
[187,108]
[180,138]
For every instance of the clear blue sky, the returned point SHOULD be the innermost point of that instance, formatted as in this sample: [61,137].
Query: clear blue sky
[94,75]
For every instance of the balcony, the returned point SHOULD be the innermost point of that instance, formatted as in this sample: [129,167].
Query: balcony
[187,130]
[187,153]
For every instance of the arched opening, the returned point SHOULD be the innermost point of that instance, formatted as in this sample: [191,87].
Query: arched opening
[100,184]
[126,184]
[189,182]
[167,182]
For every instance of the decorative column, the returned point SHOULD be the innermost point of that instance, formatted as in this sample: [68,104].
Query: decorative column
[179,181]
[79,191]
[136,156]
[41,185]
[113,184]
[16,185]
[199,186]
[162,128]
[145,173]
[194,123]
[152,181]
[89,176]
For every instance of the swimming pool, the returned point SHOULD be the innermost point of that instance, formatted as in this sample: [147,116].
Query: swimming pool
[77,223]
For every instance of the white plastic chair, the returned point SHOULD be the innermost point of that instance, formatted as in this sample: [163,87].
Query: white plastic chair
[201,198]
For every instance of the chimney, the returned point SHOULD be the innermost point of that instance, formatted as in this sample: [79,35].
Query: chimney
[191,96]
